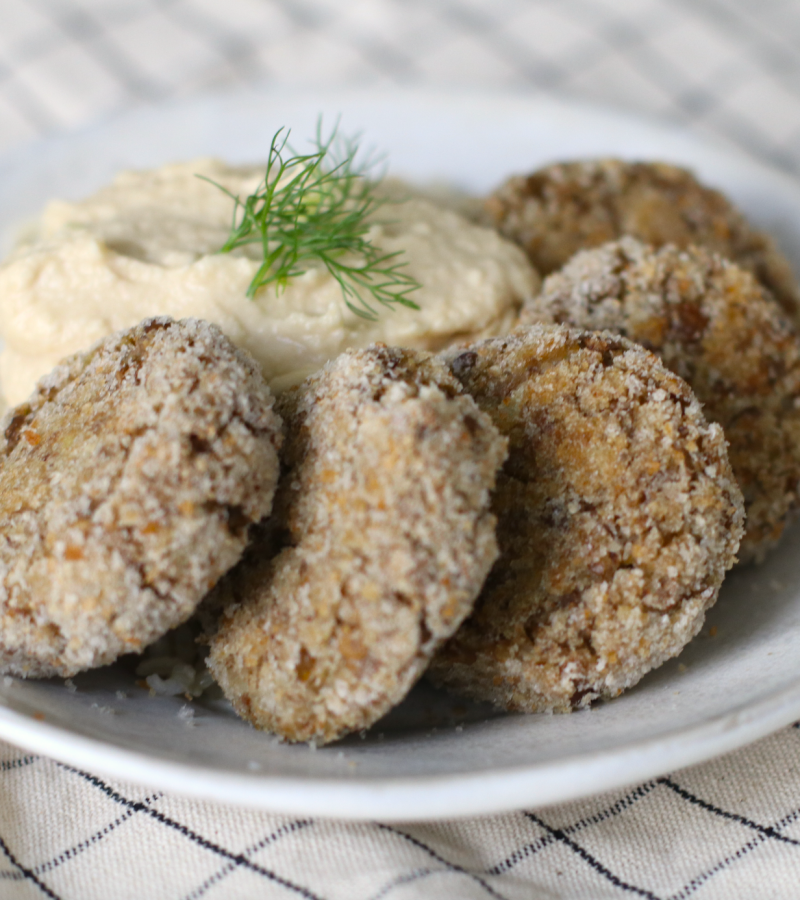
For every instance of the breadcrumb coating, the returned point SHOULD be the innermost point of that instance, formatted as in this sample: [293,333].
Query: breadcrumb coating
[617,518]
[567,207]
[714,325]
[384,509]
[127,484]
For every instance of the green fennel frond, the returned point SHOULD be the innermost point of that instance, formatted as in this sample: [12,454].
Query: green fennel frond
[315,208]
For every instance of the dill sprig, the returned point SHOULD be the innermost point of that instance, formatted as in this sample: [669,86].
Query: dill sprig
[315,207]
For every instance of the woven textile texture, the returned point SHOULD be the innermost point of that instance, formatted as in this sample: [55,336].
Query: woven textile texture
[726,829]
[731,67]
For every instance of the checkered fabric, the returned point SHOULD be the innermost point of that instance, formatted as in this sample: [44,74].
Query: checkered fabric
[731,67]
[728,828]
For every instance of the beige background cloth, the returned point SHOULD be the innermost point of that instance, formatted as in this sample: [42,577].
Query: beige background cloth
[727,828]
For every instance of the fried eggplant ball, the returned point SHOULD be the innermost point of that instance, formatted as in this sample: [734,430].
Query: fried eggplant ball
[714,325]
[384,508]
[567,207]
[617,518]
[127,484]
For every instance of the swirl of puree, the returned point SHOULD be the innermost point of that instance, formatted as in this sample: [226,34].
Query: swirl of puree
[147,245]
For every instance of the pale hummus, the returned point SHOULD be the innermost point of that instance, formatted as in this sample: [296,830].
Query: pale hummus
[145,245]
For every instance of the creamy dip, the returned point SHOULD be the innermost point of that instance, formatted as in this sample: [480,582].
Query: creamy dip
[145,245]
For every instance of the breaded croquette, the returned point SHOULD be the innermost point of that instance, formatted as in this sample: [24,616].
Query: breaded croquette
[617,515]
[567,207]
[384,512]
[714,325]
[127,484]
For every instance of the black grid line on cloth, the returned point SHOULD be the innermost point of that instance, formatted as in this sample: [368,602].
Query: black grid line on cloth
[695,105]
[27,873]
[699,880]
[527,850]
[763,833]
[453,867]
[668,783]
[615,809]
[192,835]
[9,764]
[91,841]
[766,831]
[402,880]
[560,835]
[229,867]
[696,883]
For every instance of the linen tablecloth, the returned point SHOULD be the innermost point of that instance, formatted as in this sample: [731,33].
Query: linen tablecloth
[727,828]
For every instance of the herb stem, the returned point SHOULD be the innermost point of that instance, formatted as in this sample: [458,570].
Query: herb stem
[315,208]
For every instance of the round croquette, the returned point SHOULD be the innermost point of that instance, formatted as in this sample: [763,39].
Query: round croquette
[127,484]
[383,513]
[714,325]
[567,207]
[617,516]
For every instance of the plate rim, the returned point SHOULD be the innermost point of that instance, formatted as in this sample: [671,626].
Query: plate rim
[435,796]
[414,798]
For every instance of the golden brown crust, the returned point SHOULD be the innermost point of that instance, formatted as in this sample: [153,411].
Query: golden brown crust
[127,484]
[714,325]
[384,503]
[567,207]
[617,519]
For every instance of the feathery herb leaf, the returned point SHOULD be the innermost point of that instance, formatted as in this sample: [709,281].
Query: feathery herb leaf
[315,207]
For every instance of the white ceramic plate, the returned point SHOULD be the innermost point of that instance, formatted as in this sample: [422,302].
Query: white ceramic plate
[432,757]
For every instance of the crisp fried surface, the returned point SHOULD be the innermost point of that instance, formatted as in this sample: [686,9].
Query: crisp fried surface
[384,502]
[567,207]
[127,483]
[617,519]
[714,325]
